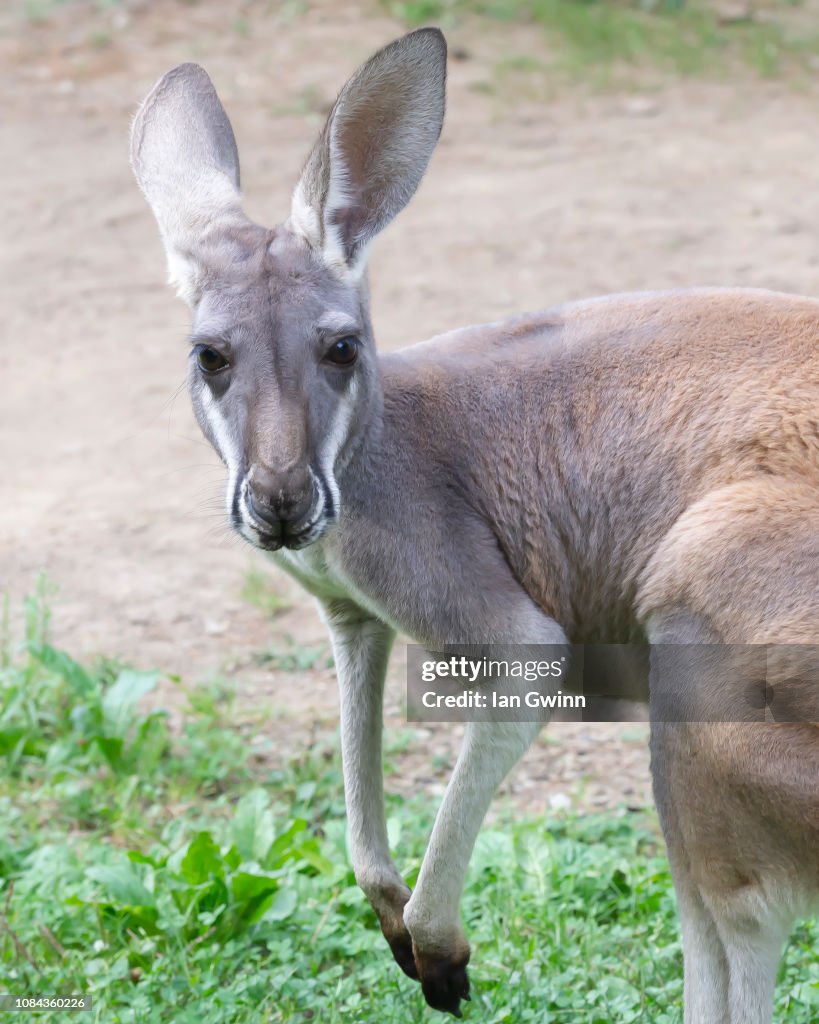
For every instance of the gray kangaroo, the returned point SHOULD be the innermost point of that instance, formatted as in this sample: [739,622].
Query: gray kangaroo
[638,466]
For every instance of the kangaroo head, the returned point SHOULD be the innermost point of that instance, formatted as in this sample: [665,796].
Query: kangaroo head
[282,372]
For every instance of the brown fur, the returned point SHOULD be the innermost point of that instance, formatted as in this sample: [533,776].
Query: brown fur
[599,439]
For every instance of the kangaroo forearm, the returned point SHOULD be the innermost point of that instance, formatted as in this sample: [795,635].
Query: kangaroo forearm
[361,650]
[490,751]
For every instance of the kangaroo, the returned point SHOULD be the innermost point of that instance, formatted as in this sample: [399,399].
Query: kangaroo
[636,467]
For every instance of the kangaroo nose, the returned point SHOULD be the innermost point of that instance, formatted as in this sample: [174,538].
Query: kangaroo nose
[280,500]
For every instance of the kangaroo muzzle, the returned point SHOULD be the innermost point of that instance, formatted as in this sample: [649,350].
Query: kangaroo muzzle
[282,506]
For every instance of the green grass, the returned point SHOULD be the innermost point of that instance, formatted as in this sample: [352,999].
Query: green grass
[170,877]
[258,590]
[596,39]
[290,656]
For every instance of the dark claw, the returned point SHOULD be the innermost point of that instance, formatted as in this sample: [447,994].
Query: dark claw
[445,983]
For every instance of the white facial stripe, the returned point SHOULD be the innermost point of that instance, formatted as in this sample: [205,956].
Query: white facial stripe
[316,523]
[249,528]
[334,442]
[228,445]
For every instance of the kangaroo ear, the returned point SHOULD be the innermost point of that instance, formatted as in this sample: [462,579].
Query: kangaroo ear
[184,156]
[374,149]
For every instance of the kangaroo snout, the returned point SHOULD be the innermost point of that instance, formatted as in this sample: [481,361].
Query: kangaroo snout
[280,503]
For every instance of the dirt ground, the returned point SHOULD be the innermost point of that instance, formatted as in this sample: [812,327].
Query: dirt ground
[530,200]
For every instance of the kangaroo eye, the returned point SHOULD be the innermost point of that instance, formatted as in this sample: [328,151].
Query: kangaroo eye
[210,360]
[343,352]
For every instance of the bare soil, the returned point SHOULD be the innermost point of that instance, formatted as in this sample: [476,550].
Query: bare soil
[531,200]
